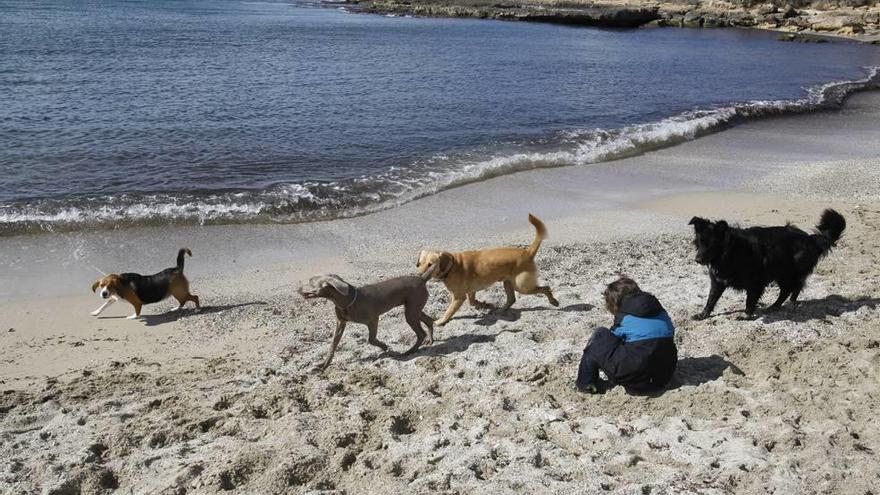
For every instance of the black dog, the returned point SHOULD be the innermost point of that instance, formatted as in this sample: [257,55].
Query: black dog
[750,259]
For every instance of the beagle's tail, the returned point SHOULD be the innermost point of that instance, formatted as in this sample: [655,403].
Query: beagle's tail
[180,257]
[540,235]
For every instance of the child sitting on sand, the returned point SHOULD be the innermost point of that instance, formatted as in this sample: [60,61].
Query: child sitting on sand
[639,351]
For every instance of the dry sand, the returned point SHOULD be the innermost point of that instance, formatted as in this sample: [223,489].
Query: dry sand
[227,398]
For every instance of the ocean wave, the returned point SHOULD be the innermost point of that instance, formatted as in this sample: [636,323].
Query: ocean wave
[313,200]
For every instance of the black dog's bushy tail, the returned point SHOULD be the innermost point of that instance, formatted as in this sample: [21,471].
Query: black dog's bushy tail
[829,230]
[180,257]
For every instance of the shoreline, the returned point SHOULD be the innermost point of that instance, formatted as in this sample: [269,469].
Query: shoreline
[808,25]
[574,196]
[597,147]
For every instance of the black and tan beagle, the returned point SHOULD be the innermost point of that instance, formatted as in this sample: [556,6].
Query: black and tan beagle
[146,289]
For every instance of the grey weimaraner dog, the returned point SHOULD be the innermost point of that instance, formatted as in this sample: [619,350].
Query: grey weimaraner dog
[366,304]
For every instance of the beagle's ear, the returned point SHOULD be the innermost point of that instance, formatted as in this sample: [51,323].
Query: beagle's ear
[95,285]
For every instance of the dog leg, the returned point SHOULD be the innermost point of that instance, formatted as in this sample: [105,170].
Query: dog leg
[108,302]
[450,311]
[783,295]
[527,283]
[510,292]
[795,292]
[542,289]
[373,328]
[414,320]
[472,298]
[549,293]
[340,327]
[715,292]
[753,295]
[137,310]
[182,300]
[429,322]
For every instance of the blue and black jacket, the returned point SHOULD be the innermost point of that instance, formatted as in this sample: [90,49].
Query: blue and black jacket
[645,356]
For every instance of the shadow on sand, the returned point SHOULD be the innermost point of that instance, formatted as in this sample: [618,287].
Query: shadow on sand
[819,309]
[694,371]
[169,316]
[690,371]
[514,314]
[451,345]
[808,309]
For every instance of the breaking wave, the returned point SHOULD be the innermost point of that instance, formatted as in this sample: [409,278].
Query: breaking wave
[312,200]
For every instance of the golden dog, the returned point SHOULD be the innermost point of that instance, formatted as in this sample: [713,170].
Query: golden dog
[467,272]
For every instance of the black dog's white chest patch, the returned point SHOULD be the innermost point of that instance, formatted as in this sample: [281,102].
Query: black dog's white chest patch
[716,274]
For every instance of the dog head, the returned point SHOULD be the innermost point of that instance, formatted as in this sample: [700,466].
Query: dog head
[709,238]
[327,285]
[110,285]
[442,262]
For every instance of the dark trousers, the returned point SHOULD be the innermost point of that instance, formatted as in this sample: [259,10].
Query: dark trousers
[638,366]
[596,354]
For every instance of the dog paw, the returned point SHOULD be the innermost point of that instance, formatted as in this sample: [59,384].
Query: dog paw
[554,302]
[95,313]
[747,317]
[700,316]
[439,323]
[132,317]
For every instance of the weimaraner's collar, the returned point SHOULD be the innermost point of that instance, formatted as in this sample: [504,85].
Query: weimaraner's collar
[353,299]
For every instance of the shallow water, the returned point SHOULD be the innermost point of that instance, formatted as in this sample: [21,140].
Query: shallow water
[152,112]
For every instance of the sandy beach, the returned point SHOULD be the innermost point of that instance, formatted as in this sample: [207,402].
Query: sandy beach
[228,399]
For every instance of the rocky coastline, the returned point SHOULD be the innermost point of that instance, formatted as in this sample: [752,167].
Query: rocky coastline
[798,20]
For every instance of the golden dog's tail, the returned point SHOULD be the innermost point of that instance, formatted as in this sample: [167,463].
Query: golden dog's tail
[540,235]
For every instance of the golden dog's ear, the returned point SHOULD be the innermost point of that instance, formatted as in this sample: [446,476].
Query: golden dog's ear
[445,263]
[95,285]
[419,259]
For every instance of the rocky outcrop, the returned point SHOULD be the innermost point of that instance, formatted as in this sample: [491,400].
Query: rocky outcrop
[858,19]
[585,15]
